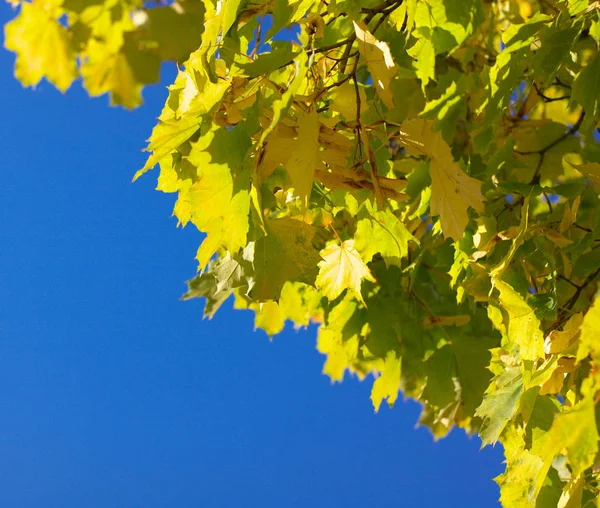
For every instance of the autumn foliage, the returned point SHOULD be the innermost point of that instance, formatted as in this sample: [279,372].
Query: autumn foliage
[419,177]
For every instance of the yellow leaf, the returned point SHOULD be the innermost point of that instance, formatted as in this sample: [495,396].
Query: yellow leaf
[341,348]
[567,219]
[522,325]
[43,47]
[572,493]
[452,193]
[452,190]
[118,67]
[343,100]
[590,170]
[557,341]
[379,60]
[555,382]
[340,353]
[218,18]
[342,268]
[303,160]
[573,431]
[589,342]
[270,318]
[386,386]
[555,237]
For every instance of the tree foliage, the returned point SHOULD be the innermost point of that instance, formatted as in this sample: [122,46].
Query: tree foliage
[420,177]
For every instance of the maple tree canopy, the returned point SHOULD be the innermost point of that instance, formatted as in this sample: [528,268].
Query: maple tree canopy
[420,177]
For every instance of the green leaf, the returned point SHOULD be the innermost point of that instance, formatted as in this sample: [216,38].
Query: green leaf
[285,254]
[556,47]
[498,407]
[442,150]
[382,233]
[588,79]
[281,53]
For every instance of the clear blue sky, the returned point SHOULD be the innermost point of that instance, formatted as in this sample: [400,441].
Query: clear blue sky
[113,393]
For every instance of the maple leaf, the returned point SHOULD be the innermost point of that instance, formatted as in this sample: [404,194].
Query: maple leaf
[43,47]
[285,254]
[456,325]
[590,331]
[499,406]
[379,60]
[302,162]
[522,325]
[342,268]
[270,318]
[386,386]
[452,190]
[383,233]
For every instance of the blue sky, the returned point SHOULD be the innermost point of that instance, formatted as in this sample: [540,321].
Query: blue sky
[113,393]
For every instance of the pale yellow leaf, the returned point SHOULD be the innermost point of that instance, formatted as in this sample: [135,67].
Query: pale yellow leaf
[43,47]
[557,341]
[452,193]
[589,342]
[522,325]
[343,100]
[452,190]
[270,318]
[303,160]
[591,171]
[379,61]
[572,494]
[386,386]
[342,268]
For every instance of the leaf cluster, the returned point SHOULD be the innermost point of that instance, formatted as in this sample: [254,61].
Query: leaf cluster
[419,177]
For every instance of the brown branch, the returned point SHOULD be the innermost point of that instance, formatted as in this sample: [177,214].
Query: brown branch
[566,308]
[535,180]
[573,300]
[545,98]
[322,49]
[382,7]
[346,54]
[257,37]
[360,132]
[562,277]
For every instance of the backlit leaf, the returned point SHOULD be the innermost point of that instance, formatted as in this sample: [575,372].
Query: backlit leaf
[43,46]
[342,268]
[379,60]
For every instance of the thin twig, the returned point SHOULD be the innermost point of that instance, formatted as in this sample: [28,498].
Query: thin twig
[545,98]
[566,308]
[542,151]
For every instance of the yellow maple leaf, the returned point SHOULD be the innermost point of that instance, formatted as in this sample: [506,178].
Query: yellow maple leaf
[343,100]
[342,268]
[522,325]
[379,60]
[452,190]
[591,171]
[303,160]
[590,330]
[43,47]
[269,317]
[387,385]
